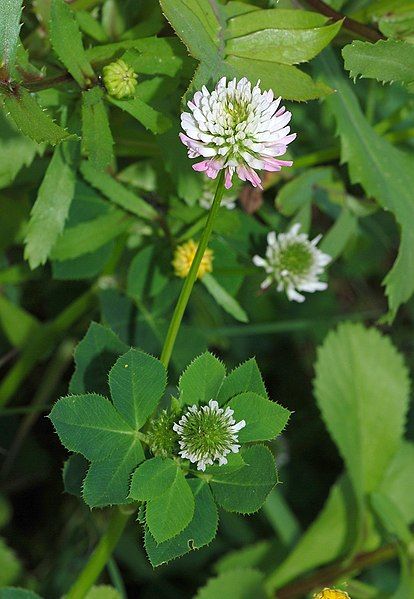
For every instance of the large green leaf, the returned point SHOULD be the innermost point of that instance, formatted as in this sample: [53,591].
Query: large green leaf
[386,173]
[97,138]
[32,120]
[244,490]
[66,41]
[9,31]
[273,18]
[168,514]
[387,60]
[362,389]
[199,532]
[137,382]
[283,46]
[51,207]
[201,380]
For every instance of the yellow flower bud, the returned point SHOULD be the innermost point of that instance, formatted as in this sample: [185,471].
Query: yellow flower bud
[120,79]
[331,594]
[184,256]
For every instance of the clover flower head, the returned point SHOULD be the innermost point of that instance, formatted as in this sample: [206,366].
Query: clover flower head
[294,263]
[238,128]
[184,256]
[207,195]
[331,594]
[120,79]
[207,434]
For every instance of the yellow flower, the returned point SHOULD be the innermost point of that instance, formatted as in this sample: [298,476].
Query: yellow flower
[184,256]
[120,79]
[331,594]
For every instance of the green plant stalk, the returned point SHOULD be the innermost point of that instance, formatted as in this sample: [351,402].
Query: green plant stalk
[119,519]
[100,556]
[192,275]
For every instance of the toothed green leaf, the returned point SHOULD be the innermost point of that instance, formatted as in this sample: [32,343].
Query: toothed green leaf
[387,60]
[245,377]
[11,11]
[75,470]
[199,532]
[264,419]
[201,380]
[362,388]
[137,382]
[32,120]
[235,584]
[168,514]
[245,490]
[152,479]
[66,40]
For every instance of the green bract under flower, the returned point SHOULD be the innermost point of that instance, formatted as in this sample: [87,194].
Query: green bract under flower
[120,79]
[207,434]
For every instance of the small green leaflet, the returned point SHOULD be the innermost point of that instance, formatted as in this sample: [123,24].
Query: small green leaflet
[32,120]
[265,419]
[154,121]
[66,41]
[362,388]
[201,380]
[387,60]
[51,208]
[245,489]
[152,479]
[199,532]
[16,593]
[103,591]
[246,377]
[97,138]
[9,32]
[224,299]
[168,514]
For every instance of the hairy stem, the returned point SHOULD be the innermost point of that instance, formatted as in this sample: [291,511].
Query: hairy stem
[192,275]
[362,30]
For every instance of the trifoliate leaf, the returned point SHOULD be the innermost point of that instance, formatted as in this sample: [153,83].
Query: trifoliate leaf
[246,489]
[95,354]
[97,138]
[66,41]
[137,382]
[264,419]
[235,584]
[245,377]
[51,209]
[201,380]
[362,388]
[199,532]
[168,514]
[152,478]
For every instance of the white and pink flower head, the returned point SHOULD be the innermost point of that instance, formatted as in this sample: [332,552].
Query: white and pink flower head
[236,128]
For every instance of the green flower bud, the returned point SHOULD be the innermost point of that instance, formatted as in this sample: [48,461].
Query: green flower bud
[161,437]
[120,79]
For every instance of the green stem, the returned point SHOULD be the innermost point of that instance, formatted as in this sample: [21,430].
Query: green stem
[192,275]
[100,556]
[119,519]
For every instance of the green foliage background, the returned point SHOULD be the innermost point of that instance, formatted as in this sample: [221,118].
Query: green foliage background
[95,194]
